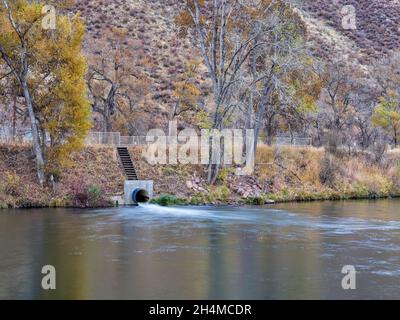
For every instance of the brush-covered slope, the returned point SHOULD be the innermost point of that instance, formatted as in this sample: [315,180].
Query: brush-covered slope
[377,27]
[154,36]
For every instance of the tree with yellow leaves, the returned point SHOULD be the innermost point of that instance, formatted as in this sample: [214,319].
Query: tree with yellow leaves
[387,112]
[387,115]
[49,67]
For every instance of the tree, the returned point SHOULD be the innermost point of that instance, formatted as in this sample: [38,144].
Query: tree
[386,71]
[14,49]
[364,100]
[282,86]
[248,52]
[213,25]
[340,82]
[387,112]
[387,115]
[49,68]
[186,93]
[114,82]
[13,113]
[60,95]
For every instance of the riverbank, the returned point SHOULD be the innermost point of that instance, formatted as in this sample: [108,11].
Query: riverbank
[281,175]
[291,174]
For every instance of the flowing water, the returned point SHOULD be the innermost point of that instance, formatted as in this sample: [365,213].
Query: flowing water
[291,251]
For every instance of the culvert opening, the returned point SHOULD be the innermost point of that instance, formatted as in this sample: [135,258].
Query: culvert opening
[140,196]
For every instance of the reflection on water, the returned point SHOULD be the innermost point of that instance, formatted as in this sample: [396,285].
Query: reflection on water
[291,251]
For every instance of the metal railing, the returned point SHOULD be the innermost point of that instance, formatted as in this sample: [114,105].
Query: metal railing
[296,141]
[103,138]
[9,135]
[115,139]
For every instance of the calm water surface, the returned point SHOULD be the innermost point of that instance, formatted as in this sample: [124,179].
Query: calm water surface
[291,251]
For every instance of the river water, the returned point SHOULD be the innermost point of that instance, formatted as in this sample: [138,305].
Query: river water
[288,251]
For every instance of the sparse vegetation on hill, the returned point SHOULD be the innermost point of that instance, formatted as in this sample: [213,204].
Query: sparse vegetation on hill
[152,39]
[160,51]
[377,30]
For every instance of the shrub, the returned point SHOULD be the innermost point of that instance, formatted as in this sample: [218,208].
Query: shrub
[88,196]
[168,171]
[255,201]
[199,199]
[224,174]
[333,143]
[12,184]
[358,191]
[220,193]
[57,202]
[79,195]
[94,194]
[329,170]
[168,200]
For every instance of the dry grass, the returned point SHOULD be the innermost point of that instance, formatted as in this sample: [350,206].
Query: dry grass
[289,165]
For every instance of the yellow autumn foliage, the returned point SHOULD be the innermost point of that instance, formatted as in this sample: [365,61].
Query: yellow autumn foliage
[56,78]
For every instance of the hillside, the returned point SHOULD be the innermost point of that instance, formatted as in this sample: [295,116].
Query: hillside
[161,55]
[159,52]
[377,30]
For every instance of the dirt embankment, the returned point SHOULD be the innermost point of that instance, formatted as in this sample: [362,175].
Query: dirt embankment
[89,181]
[282,174]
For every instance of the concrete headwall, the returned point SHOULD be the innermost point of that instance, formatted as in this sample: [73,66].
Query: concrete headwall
[132,185]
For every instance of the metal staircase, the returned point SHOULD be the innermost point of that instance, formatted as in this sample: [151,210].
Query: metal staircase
[127,164]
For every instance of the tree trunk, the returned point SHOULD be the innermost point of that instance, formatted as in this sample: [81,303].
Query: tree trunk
[257,125]
[261,113]
[35,133]
[107,124]
[14,120]
[213,169]
[270,130]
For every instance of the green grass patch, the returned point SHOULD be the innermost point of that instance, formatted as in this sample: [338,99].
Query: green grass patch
[168,200]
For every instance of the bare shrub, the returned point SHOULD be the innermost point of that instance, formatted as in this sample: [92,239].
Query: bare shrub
[330,168]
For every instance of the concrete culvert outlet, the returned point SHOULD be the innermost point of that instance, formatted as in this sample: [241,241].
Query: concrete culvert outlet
[140,196]
[138,191]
